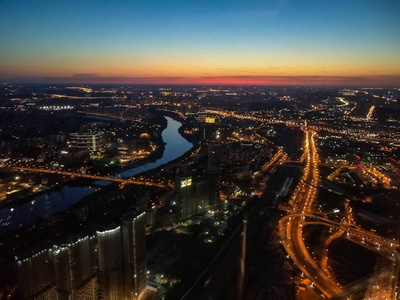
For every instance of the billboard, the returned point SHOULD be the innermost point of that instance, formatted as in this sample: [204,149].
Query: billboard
[210,120]
[186,182]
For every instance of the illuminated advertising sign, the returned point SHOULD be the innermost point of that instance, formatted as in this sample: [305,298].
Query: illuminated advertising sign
[186,182]
[210,120]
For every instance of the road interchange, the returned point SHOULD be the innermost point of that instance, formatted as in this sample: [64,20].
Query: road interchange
[301,214]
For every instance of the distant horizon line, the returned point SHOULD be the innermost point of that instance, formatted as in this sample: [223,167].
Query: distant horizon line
[377,81]
[2,82]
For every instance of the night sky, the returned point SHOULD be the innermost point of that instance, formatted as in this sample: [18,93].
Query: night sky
[341,42]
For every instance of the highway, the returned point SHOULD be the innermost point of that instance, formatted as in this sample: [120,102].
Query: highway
[301,214]
[297,250]
[96,177]
[291,226]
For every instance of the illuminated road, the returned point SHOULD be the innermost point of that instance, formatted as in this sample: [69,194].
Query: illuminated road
[362,136]
[280,155]
[96,177]
[291,226]
[295,247]
[301,203]
[352,231]
[357,135]
[370,112]
[305,192]
[301,214]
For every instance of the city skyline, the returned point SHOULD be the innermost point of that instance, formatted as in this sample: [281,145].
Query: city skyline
[229,42]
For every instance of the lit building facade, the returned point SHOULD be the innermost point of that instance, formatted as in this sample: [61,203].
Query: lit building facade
[86,141]
[195,195]
[108,265]
[134,256]
[36,277]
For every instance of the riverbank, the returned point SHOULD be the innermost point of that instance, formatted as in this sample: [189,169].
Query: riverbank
[81,182]
[65,196]
[154,156]
[179,118]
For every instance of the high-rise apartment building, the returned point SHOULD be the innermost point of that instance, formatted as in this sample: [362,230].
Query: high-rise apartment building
[134,256]
[194,195]
[107,265]
[36,276]
[110,274]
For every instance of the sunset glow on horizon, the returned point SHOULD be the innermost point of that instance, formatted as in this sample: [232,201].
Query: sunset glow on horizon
[278,42]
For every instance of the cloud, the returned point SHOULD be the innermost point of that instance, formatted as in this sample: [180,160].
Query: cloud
[312,80]
[317,80]
[389,76]
[291,77]
[94,79]
[85,75]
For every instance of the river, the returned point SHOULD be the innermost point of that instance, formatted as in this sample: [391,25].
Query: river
[54,202]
